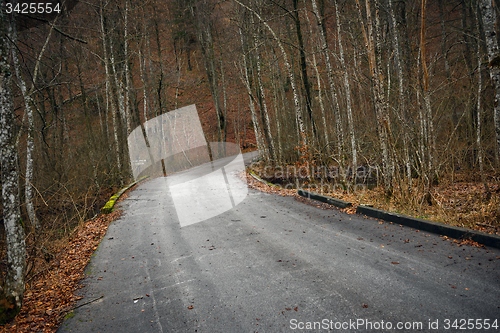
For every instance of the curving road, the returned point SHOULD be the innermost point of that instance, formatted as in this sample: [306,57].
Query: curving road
[273,264]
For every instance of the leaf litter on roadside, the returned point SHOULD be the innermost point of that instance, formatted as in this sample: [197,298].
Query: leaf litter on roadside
[50,296]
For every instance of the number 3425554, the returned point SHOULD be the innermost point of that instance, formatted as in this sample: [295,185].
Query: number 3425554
[32,8]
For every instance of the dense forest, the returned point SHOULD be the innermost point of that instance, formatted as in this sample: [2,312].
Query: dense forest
[407,89]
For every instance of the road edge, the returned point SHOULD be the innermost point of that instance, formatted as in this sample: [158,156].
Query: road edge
[329,200]
[110,204]
[412,222]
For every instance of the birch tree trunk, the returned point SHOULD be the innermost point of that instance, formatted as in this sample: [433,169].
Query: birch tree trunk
[331,81]
[144,80]
[479,111]
[118,89]
[381,104]
[246,82]
[347,87]
[320,89]
[128,79]
[30,143]
[12,290]
[291,76]
[109,93]
[428,126]
[262,101]
[303,67]
[373,41]
[489,23]
[403,113]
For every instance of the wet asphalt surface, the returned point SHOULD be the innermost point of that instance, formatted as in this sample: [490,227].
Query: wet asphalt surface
[274,264]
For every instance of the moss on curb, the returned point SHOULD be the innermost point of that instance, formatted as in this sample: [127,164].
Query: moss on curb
[254,175]
[108,207]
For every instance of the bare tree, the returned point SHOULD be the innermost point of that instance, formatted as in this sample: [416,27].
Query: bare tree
[347,87]
[29,105]
[262,99]
[12,291]
[479,110]
[298,110]
[245,77]
[489,23]
[110,97]
[403,95]
[373,40]
[331,80]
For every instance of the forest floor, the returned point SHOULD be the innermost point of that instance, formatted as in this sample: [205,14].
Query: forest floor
[51,286]
[51,292]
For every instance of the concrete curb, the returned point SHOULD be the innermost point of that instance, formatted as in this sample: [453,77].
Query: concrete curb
[108,207]
[329,200]
[254,175]
[412,222]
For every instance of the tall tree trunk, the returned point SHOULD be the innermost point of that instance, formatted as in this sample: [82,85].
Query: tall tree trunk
[262,101]
[444,51]
[373,41]
[479,110]
[144,79]
[246,82]
[489,23]
[347,87]
[109,91]
[30,143]
[11,293]
[118,88]
[403,97]
[320,89]
[126,69]
[298,111]
[428,125]
[331,81]
[303,67]
[205,36]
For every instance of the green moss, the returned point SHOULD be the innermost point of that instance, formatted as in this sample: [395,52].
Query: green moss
[69,315]
[108,207]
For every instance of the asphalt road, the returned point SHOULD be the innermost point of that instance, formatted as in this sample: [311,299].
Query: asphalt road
[273,264]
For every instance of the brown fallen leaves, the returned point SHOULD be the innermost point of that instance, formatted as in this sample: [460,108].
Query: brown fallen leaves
[51,295]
